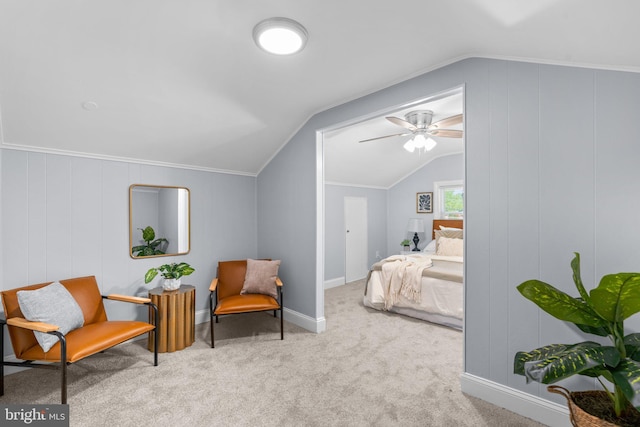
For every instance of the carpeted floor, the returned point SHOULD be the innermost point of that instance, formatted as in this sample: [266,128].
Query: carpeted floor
[368,369]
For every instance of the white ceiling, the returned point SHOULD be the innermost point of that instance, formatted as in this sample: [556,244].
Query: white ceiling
[383,162]
[182,82]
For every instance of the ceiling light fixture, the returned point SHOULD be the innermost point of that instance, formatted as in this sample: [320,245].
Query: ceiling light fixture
[280,36]
[420,141]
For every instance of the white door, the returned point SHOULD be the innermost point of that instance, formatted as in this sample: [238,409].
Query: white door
[355,220]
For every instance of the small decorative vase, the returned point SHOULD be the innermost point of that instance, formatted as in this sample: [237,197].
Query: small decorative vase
[171,284]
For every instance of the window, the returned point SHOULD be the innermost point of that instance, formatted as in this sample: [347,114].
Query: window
[449,199]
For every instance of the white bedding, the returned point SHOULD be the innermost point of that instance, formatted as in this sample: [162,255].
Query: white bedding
[440,292]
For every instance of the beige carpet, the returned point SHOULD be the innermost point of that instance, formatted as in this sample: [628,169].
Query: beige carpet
[368,369]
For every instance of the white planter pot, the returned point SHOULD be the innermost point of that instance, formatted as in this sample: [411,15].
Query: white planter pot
[171,284]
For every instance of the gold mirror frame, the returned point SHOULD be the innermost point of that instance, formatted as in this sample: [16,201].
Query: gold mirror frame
[167,210]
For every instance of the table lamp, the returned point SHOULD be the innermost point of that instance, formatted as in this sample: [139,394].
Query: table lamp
[415,226]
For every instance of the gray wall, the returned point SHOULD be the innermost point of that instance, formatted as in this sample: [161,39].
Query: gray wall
[388,213]
[65,217]
[402,199]
[334,231]
[550,169]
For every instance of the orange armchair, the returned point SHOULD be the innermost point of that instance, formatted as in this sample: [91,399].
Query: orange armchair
[95,335]
[226,297]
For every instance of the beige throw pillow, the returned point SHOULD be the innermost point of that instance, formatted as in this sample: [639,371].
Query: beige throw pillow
[450,247]
[261,278]
[453,233]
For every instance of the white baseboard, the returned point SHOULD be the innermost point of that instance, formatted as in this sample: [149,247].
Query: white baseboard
[202,316]
[333,283]
[525,404]
[304,321]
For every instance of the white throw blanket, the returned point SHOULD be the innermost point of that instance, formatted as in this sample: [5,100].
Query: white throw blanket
[402,275]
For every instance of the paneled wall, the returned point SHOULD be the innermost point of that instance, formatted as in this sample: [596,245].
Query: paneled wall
[64,216]
[550,156]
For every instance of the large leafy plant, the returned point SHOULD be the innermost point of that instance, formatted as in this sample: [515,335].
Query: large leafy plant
[601,312]
[151,244]
[169,271]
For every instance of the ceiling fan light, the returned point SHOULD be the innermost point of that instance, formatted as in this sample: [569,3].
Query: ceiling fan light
[420,141]
[280,36]
[410,145]
[429,144]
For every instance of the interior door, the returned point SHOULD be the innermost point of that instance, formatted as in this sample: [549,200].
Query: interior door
[355,220]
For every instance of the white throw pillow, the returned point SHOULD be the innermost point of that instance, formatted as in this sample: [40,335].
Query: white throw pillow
[450,247]
[51,304]
[442,227]
[431,247]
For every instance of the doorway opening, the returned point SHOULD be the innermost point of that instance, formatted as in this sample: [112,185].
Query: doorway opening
[353,162]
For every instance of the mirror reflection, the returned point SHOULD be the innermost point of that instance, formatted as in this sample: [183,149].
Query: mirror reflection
[158,221]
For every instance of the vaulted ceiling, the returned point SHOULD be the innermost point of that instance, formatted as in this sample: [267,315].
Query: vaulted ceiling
[182,82]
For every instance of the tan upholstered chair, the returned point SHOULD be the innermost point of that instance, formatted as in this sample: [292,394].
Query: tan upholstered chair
[95,335]
[225,297]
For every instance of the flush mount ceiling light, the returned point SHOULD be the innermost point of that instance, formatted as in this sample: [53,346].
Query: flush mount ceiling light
[280,36]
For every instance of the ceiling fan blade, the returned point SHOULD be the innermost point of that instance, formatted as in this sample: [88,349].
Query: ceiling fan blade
[401,122]
[448,133]
[386,136]
[444,123]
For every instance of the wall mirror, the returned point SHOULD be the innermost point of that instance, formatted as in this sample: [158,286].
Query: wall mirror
[159,222]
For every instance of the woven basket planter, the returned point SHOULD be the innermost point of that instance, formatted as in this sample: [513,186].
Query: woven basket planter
[580,418]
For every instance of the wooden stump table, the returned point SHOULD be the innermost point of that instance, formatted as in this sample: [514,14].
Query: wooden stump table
[176,313]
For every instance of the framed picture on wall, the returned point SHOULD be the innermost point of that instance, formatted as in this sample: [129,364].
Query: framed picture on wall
[424,202]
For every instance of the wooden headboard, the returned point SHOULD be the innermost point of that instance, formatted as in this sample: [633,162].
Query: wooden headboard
[453,223]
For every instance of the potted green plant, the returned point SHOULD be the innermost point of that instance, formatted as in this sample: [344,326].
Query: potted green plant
[172,274]
[406,244]
[600,312]
[151,246]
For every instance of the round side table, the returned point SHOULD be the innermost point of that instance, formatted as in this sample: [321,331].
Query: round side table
[176,314]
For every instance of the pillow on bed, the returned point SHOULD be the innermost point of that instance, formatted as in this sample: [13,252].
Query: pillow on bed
[431,247]
[452,233]
[450,247]
[442,227]
[261,278]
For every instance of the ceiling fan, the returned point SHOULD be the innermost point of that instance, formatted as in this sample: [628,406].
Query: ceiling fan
[418,123]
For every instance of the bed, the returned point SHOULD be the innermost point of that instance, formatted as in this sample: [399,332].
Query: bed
[427,285]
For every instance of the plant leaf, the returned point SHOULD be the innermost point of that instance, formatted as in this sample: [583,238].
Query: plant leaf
[538,354]
[570,360]
[617,296]
[150,275]
[627,377]
[575,267]
[560,305]
[632,345]
[148,234]
[600,331]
